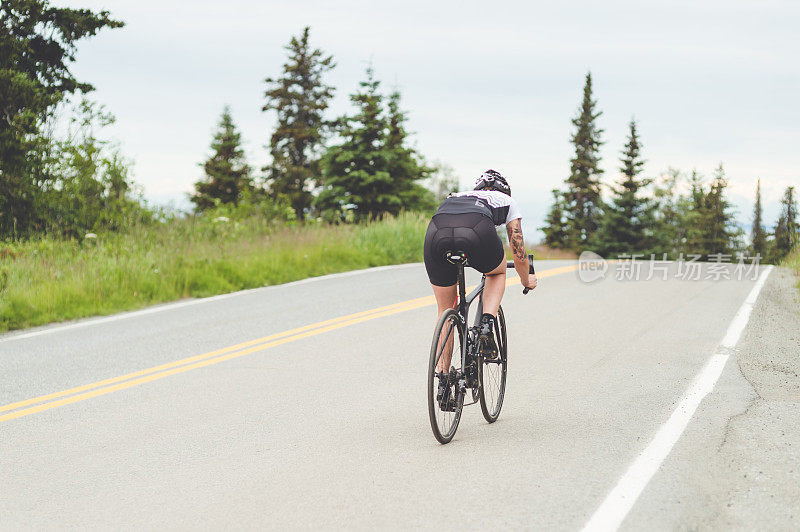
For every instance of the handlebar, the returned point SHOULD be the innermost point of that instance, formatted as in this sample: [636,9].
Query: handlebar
[510,264]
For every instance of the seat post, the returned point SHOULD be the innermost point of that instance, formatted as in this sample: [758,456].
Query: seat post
[462,290]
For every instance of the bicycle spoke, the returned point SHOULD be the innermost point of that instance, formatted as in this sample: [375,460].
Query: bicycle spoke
[493,376]
[445,341]
[445,409]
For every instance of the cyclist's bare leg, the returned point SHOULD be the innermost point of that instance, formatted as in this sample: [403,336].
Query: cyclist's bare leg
[445,298]
[494,288]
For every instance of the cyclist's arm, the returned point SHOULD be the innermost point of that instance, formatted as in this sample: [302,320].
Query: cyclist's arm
[517,243]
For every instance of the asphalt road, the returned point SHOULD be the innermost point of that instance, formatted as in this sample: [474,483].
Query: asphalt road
[327,427]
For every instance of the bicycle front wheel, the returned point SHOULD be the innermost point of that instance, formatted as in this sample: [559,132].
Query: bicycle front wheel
[445,377]
[493,374]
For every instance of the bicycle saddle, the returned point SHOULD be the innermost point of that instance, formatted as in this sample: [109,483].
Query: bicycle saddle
[456,257]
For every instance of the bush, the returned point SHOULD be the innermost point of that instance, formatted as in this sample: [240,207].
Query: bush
[48,279]
[792,261]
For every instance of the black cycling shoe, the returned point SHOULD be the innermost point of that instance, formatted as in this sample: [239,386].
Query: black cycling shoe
[486,343]
[442,389]
[444,394]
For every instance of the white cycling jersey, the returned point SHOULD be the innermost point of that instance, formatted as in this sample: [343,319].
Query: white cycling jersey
[502,206]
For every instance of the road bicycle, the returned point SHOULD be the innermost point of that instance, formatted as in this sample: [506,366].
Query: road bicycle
[484,376]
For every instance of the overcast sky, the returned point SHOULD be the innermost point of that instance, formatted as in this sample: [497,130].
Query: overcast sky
[486,84]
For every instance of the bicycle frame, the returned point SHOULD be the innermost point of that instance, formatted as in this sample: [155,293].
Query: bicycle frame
[447,388]
[463,302]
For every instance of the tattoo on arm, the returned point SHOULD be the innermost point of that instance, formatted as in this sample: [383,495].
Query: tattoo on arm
[515,239]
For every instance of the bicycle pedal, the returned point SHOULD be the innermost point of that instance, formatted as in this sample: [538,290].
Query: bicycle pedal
[450,405]
[488,349]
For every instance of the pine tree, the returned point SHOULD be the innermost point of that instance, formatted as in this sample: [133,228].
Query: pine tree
[627,224]
[38,43]
[371,172]
[669,229]
[405,164]
[227,172]
[693,216]
[555,228]
[720,231]
[759,236]
[300,99]
[583,184]
[787,232]
[396,118]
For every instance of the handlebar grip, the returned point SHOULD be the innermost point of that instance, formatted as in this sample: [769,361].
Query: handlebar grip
[510,264]
[531,270]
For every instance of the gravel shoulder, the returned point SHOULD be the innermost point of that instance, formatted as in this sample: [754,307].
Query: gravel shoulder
[769,430]
[738,465]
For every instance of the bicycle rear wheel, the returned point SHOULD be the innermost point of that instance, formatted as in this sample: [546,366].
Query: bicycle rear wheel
[493,374]
[445,394]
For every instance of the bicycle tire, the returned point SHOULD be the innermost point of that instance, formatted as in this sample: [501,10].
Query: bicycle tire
[495,385]
[449,423]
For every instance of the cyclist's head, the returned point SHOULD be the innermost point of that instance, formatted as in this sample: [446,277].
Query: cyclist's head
[492,180]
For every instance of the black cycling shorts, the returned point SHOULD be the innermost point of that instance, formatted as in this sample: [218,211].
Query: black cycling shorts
[472,233]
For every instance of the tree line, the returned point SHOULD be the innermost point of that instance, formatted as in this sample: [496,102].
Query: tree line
[57,173]
[355,167]
[60,175]
[675,215]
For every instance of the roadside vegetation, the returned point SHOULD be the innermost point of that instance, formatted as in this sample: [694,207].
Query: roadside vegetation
[78,239]
[333,193]
[792,261]
[676,214]
[54,279]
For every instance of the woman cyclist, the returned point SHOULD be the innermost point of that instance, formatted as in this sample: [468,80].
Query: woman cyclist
[467,222]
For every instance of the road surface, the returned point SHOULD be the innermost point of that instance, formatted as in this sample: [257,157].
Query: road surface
[209,414]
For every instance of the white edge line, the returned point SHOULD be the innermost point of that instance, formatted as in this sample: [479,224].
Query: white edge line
[179,304]
[615,507]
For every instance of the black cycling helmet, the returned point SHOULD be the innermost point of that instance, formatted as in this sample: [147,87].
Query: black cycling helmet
[492,180]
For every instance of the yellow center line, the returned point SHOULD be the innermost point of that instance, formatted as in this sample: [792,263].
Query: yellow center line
[194,358]
[103,387]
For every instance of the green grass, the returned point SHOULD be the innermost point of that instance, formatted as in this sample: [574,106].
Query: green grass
[792,261]
[48,280]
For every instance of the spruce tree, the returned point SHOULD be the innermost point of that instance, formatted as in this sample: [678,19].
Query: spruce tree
[555,228]
[227,175]
[627,224]
[583,184]
[787,232]
[405,164]
[396,133]
[370,172]
[669,229]
[693,216]
[300,98]
[719,226]
[759,236]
